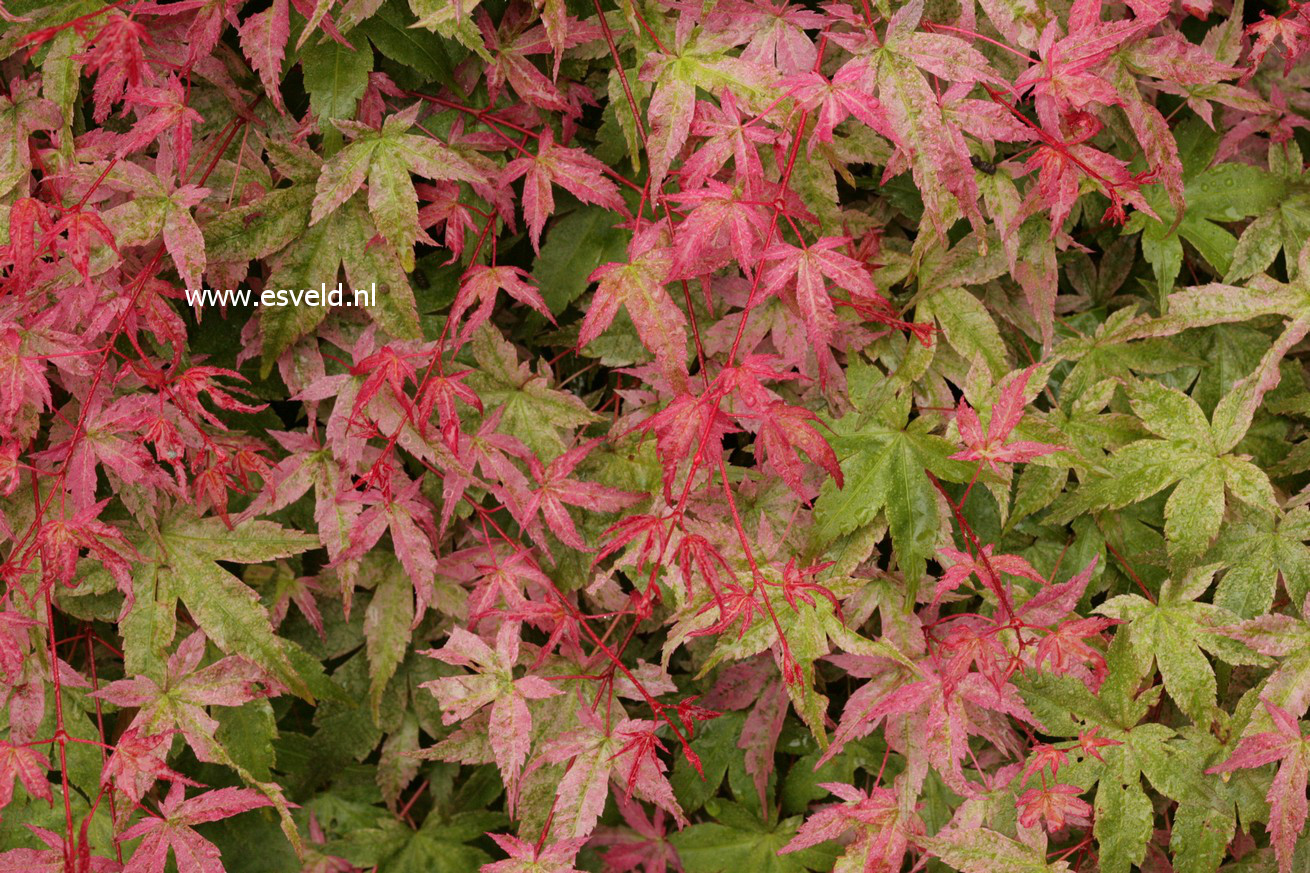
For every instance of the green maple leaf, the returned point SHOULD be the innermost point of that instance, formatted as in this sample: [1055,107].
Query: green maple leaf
[22,113]
[1283,225]
[335,76]
[387,624]
[1193,454]
[1115,350]
[181,565]
[385,157]
[980,850]
[1173,632]
[1209,805]
[534,412]
[1219,194]
[942,277]
[883,458]
[453,21]
[440,845]
[1256,551]
[259,229]
[316,258]
[738,840]
[1228,304]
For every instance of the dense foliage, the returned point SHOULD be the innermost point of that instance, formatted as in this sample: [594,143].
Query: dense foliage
[860,436]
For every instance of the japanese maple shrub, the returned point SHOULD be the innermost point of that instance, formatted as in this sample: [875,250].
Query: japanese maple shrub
[867,435]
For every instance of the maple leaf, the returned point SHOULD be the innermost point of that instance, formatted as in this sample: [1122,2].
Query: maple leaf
[1172,631]
[175,829]
[54,858]
[62,539]
[399,509]
[626,752]
[509,46]
[802,273]
[28,766]
[22,113]
[1007,412]
[690,422]
[782,430]
[116,55]
[555,488]
[982,850]
[1283,637]
[181,566]
[186,690]
[883,832]
[494,683]
[724,224]
[1287,792]
[697,60]
[641,845]
[639,287]
[883,456]
[1190,451]
[138,761]
[570,168]
[937,154]
[942,714]
[481,284]
[386,156]
[986,566]
[1054,806]
[169,110]
[264,37]
[726,136]
[556,857]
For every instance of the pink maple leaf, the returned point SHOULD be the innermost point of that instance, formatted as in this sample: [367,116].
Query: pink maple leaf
[570,168]
[883,829]
[175,830]
[639,287]
[480,285]
[640,846]
[524,857]
[26,764]
[1007,412]
[186,691]
[1054,806]
[138,760]
[1287,792]
[493,683]
[555,488]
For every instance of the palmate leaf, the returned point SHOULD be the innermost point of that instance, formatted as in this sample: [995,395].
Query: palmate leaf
[883,460]
[315,259]
[386,157]
[183,567]
[982,850]
[1192,453]
[335,77]
[533,411]
[422,51]
[1215,195]
[1283,224]
[866,244]
[439,845]
[1124,817]
[1257,551]
[1175,631]
[1287,639]
[739,840]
